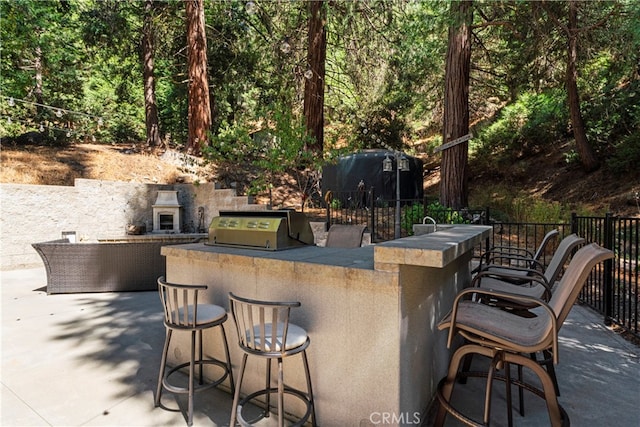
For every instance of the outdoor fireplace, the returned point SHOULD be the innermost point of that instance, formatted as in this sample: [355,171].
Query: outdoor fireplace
[166,212]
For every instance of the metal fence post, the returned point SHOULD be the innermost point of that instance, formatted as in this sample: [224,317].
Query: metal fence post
[487,221]
[608,269]
[372,212]
[328,222]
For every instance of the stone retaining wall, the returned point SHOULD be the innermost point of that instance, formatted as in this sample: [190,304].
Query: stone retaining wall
[95,209]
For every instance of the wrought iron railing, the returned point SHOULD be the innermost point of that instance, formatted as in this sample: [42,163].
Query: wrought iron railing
[380,216]
[613,289]
[616,295]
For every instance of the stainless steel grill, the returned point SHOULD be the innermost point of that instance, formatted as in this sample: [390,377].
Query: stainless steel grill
[266,230]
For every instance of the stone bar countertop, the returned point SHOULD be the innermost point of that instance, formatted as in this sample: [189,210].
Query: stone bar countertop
[429,250]
[371,314]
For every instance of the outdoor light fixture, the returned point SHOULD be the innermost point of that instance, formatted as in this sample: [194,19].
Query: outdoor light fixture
[285,47]
[402,164]
[387,164]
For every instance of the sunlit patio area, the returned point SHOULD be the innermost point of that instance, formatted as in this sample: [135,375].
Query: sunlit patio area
[92,359]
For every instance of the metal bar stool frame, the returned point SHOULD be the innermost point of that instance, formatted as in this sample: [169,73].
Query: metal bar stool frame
[541,285]
[183,312]
[264,330]
[508,338]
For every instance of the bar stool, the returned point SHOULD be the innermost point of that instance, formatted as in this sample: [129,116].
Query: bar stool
[264,330]
[182,312]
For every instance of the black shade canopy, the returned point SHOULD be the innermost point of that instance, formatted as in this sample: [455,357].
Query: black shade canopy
[366,166]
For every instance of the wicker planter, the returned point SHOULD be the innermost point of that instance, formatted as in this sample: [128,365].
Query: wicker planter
[102,267]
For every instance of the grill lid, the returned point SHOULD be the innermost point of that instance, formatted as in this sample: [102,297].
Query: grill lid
[267,230]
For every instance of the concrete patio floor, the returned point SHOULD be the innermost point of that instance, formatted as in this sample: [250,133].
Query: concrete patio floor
[92,360]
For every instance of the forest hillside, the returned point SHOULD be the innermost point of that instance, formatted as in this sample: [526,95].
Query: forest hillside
[108,89]
[544,181]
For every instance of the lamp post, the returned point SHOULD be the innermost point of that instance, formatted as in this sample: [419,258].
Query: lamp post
[402,164]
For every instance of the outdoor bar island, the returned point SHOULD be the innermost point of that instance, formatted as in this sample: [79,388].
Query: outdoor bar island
[376,355]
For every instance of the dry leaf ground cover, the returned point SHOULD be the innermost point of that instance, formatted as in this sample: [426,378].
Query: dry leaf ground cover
[546,177]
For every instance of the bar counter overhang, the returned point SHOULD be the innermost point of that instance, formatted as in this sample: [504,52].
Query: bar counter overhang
[371,314]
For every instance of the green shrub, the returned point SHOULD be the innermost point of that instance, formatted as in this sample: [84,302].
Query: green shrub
[504,133]
[572,157]
[626,156]
[611,112]
[507,205]
[411,215]
[526,209]
[532,122]
[336,204]
[415,214]
[443,214]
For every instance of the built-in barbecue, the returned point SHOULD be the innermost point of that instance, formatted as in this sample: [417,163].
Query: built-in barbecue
[266,230]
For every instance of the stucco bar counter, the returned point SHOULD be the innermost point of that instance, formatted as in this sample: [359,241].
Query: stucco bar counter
[376,355]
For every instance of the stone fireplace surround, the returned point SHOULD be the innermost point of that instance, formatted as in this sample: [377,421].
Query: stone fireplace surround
[96,209]
[166,212]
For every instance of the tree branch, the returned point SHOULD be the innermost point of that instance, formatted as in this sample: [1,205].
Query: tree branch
[554,18]
[564,28]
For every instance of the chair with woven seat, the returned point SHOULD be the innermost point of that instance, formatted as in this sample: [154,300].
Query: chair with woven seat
[506,338]
[184,312]
[264,331]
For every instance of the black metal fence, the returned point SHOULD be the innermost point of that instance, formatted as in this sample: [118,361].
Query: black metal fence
[613,289]
[381,216]
[528,235]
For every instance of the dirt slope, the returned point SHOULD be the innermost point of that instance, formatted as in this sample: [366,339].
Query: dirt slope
[548,177]
[32,164]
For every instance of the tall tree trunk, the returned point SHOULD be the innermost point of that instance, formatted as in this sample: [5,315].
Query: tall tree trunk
[199,107]
[314,85]
[150,106]
[454,169]
[37,90]
[585,151]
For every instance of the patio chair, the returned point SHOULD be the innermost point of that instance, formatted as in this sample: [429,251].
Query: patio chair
[527,281]
[506,338]
[183,312]
[517,256]
[345,236]
[264,331]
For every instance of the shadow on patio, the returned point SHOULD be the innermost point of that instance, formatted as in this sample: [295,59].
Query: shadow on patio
[92,359]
